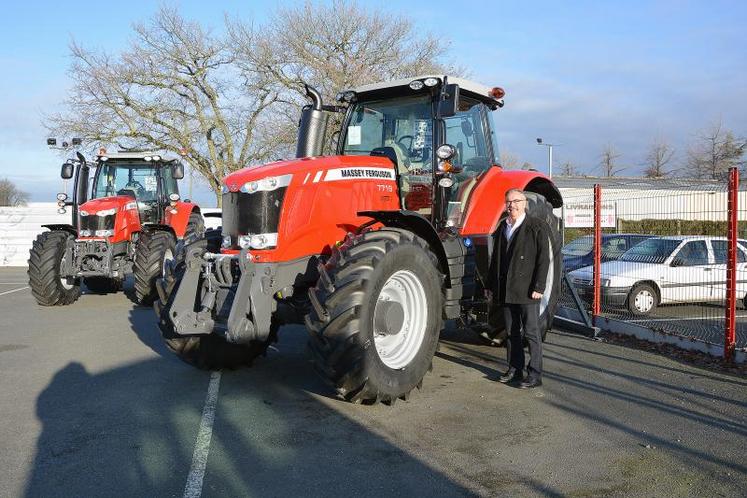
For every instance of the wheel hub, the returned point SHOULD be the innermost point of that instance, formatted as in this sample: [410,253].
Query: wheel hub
[389,317]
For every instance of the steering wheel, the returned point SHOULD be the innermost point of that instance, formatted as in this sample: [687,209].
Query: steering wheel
[136,186]
[408,148]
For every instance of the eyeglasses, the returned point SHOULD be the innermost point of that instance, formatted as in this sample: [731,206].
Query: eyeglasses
[515,201]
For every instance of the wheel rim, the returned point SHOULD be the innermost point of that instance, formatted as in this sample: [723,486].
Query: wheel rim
[64,280]
[403,292]
[644,301]
[549,282]
[168,257]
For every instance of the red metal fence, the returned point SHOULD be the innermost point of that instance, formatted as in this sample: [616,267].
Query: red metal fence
[670,257]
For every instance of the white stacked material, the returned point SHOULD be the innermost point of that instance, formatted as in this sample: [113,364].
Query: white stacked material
[19,226]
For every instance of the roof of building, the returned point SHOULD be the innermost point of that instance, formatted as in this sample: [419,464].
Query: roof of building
[639,183]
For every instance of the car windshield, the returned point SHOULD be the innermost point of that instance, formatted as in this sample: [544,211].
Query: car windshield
[579,247]
[651,251]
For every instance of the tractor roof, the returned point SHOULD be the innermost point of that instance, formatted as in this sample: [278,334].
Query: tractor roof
[466,87]
[124,155]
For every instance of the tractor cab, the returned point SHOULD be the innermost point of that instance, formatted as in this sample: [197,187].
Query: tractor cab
[437,131]
[149,180]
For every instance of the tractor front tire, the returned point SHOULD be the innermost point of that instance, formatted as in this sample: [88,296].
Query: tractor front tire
[376,315]
[45,259]
[154,249]
[538,207]
[206,352]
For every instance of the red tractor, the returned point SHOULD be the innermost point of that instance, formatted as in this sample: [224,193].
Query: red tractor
[371,248]
[130,225]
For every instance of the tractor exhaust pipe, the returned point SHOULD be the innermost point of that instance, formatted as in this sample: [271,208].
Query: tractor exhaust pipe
[80,191]
[312,127]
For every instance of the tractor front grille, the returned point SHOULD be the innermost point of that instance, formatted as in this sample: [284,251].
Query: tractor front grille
[89,225]
[247,214]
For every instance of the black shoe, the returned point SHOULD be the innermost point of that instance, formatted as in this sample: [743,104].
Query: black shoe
[512,375]
[530,382]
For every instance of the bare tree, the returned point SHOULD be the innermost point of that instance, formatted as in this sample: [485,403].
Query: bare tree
[609,159]
[333,47]
[10,195]
[526,166]
[715,151]
[228,101]
[659,155]
[508,160]
[568,169]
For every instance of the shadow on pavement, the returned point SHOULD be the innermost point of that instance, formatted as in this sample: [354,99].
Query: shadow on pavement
[591,391]
[131,432]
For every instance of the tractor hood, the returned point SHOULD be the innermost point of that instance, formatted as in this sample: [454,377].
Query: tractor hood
[118,202]
[311,170]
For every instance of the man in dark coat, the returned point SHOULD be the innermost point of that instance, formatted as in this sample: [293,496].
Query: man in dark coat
[518,273]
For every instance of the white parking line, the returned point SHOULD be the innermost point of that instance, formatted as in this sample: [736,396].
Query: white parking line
[675,319]
[193,489]
[14,290]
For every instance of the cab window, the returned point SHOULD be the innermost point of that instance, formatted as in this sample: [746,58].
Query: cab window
[466,132]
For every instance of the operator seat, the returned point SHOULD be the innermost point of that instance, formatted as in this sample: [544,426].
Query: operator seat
[403,157]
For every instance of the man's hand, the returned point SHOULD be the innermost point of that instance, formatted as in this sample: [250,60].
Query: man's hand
[536,295]
[488,294]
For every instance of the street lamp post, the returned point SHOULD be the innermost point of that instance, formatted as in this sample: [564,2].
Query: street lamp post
[549,155]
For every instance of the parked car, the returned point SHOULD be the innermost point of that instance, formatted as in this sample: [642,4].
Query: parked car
[580,252]
[666,270]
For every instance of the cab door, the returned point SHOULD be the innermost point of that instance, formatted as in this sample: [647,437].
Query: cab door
[688,277]
[718,282]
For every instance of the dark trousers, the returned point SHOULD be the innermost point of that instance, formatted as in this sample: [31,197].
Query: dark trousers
[516,315]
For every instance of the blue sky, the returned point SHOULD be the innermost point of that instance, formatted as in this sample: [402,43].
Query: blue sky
[582,74]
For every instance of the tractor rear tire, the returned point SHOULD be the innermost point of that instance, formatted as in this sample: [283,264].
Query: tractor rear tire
[538,207]
[45,259]
[195,227]
[376,315]
[206,352]
[103,285]
[154,249]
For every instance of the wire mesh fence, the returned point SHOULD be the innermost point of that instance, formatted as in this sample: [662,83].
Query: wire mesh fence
[663,256]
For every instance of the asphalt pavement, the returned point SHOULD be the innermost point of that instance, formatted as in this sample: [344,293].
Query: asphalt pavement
[93,404]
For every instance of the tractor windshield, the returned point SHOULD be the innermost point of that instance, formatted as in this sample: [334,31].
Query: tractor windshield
[147,182]
[406,126]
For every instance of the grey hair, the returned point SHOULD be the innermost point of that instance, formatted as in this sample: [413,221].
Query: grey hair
[518,191]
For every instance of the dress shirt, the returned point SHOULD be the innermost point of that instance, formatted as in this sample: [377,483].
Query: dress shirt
[511,228]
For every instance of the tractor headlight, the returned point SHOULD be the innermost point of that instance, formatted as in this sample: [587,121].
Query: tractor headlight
[130,205]
[226,242]
[83,213]
[104,233]
[245,241]
[85,233]
[416,85]
[62,197]
[446,151]
[267,184]
[107,212]
[258,241]
[431,81]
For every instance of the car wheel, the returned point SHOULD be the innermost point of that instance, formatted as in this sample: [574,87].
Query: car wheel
[642,300]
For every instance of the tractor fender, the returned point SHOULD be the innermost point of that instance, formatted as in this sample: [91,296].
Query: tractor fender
[456,259]
[486,201]
[179,220]
[157,227]
[63,228]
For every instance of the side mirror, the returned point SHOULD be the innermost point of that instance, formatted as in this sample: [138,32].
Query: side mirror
[450,103]
[177,170]
[67,171]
